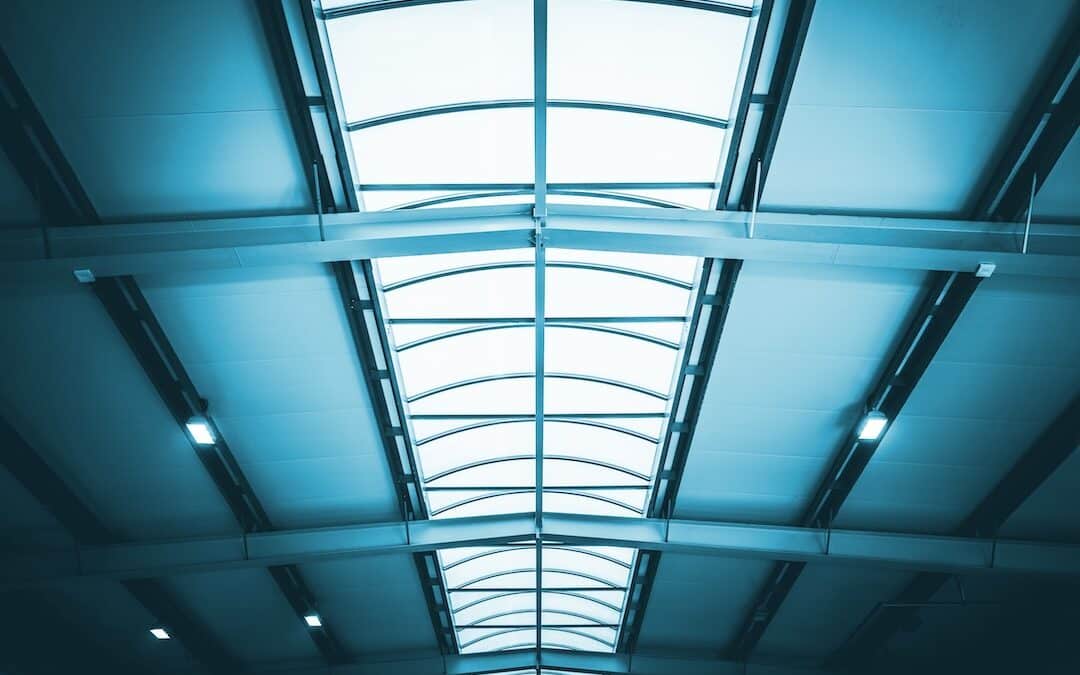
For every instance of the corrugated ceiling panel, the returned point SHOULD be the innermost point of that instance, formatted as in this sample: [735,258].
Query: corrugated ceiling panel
[900,107]
[162,109]
[374,603]
[71,387]
[698,602]
[802,347]
[1009,366]
[270,349]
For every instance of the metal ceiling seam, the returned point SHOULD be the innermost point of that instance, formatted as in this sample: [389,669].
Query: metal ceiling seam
[943,301]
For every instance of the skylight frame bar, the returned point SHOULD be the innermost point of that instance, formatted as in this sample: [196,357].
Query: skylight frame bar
[510,103]
[579,185]
[385,5]
[614,196]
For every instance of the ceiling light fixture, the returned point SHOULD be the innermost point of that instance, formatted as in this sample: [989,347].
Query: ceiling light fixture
[200,431]
[873,425]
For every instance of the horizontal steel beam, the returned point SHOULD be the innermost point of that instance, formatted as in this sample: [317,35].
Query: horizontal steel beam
[550,659]
[912,243]
[261,549]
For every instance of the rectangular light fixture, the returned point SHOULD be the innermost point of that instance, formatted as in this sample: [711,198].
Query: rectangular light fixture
[313,620]
[200,432]
[160,633]
[872,425]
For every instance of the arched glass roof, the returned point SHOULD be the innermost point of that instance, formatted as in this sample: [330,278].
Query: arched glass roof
[464,330]
[437,97]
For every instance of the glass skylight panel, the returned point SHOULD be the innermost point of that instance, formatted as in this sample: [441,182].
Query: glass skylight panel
[463,326]
[601,145]
[432,54]
[646,54]
[478,146]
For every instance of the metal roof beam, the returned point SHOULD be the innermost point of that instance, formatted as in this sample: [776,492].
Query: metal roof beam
[910,243]
[759,542]
[1045,455]
[943,302]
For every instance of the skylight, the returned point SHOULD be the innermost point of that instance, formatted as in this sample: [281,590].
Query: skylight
[437,99]
[464,330]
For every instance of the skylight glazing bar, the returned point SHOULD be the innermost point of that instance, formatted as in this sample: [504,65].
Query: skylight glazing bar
[502,104]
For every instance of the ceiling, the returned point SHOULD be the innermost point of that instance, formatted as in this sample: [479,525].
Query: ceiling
[722,389]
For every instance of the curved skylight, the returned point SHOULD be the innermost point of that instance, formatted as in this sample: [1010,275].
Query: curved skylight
[437,98]
[464,331]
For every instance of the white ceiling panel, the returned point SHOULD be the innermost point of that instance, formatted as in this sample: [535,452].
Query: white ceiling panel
[162,109]
[72,388]
[1009,366]
[801,348]
[1058,200]
[239,605]
[825,607]
[901,107]
[698,602]
[271,351]
[374,603]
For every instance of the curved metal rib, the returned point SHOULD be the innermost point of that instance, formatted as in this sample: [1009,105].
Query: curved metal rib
[607,585]
[585,495]
[584,422]
[383,5]
[575,549]
[485,267]
[528,376]
[531,628]
[616,196]
[532,591]
[503,104]
[518,458]
[500,615]
[633,335]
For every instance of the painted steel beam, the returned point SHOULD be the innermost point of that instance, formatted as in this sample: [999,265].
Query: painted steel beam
[551,660]
[943,301]
[1045,455]
[762,542]
[911,243]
